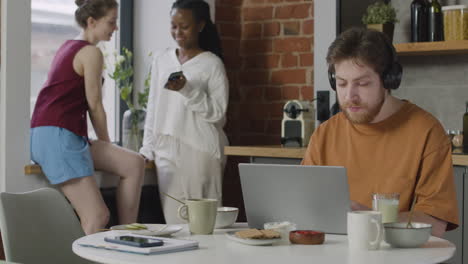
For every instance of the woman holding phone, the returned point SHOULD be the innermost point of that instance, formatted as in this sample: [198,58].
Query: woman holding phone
[59,139]
[186,110]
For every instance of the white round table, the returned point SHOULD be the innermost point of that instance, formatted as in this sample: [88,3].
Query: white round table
[217,248]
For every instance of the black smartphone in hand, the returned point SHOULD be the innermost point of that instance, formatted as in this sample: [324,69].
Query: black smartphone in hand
[135,241]
[175,76]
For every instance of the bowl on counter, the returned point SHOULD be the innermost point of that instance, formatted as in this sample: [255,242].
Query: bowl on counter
[398,235]
[226,216]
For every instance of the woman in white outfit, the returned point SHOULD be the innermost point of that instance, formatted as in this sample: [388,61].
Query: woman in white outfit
[184,124]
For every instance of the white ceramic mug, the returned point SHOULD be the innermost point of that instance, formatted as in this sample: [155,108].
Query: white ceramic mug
[365,230]
[200,214]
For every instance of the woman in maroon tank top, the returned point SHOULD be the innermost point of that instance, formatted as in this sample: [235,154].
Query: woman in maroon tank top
[59,141]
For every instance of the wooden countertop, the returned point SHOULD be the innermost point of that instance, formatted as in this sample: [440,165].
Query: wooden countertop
[262,151]
[298,153]
[265,151]
[36,169]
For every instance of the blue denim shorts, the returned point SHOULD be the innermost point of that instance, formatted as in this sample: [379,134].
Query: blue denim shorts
[62,154]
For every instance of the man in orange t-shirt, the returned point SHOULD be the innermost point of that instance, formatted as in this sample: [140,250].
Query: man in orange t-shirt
[387,145]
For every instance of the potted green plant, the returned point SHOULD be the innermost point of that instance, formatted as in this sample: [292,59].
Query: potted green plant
[382,17]
[133,118]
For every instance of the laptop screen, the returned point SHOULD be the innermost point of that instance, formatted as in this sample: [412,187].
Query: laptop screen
[312,197]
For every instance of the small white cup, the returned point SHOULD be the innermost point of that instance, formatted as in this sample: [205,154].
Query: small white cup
[365,230]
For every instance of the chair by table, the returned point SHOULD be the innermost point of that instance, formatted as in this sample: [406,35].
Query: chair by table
[39,227]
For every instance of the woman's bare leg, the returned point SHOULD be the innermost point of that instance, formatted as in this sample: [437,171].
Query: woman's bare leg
[130,167]
[85,197]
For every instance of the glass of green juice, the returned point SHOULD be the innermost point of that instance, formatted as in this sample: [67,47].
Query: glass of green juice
[387,204]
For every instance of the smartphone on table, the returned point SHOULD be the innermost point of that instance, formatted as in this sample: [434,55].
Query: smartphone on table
[135,241]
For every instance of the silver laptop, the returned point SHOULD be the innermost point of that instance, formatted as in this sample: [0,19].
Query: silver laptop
[313,197]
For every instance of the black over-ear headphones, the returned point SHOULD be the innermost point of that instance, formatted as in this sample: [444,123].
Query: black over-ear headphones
[391,77]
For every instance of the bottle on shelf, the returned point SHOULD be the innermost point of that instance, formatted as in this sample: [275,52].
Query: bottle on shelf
[465,129]
[419,19]
[435,22]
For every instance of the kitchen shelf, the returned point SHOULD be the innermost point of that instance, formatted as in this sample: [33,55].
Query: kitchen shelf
[432,48]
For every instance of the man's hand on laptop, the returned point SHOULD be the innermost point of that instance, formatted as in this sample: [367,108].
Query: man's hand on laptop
[355,206]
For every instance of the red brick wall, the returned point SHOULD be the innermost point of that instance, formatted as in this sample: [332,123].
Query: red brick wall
[268,45]
[268,49]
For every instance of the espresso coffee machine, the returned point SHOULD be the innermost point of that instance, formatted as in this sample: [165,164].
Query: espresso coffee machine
[298,123]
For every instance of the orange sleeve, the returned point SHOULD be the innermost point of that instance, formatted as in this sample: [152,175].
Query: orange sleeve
[436,187]
[312,154]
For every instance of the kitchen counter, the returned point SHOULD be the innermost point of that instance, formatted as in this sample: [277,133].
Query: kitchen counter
[33,168]
[277,151]
[265,151]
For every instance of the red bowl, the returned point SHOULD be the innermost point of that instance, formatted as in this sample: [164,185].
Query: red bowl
[306,237]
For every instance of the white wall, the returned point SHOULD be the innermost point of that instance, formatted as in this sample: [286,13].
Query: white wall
[324,34]
[14,96]
[151,32]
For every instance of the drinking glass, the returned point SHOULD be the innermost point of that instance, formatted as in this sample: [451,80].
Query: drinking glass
[387,204]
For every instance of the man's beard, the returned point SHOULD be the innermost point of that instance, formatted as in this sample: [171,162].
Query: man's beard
[365,116]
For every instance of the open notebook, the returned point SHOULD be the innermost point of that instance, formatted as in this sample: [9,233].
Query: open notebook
[170,244]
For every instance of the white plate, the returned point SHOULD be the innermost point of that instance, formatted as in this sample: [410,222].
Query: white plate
[153,229]
[253,242]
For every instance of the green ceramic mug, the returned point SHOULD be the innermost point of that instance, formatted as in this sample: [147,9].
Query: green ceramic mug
[200,214]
